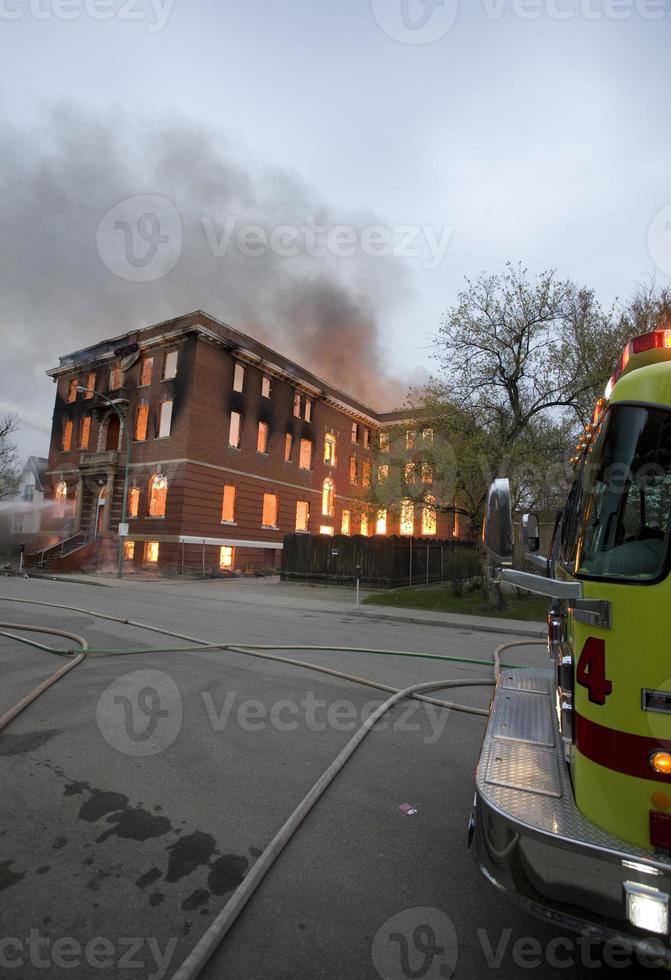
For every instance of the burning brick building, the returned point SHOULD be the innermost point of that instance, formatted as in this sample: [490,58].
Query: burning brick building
[232,446]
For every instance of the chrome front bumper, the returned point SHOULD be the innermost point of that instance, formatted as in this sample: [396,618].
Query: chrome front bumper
[530,840]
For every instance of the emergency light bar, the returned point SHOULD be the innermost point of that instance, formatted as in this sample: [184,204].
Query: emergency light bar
[655,340]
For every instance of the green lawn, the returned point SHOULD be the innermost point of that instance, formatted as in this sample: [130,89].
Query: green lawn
[442,599]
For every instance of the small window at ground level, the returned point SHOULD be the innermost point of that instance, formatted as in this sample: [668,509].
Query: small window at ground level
[226,556]
[170,365]
[269,517]
[238,377]
[302,515]
[262,438]
[129,550]
[329,531]
[228,506]
[265,386]
[151,552]
[234,431]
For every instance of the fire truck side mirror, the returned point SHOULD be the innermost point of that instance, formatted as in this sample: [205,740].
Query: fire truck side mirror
[497,533]
[531,537]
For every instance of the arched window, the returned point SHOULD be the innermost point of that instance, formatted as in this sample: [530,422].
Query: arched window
[158,494]
[60,498]
[328,497]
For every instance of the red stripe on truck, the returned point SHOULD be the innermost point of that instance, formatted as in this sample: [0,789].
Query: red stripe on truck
[619,751]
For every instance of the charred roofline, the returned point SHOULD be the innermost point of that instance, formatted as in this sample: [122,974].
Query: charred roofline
[244,347]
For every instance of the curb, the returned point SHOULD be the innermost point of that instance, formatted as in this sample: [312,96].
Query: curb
[72,581]
[479,625]
[476,625]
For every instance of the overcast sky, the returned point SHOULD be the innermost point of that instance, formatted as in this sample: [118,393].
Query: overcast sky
[471,134]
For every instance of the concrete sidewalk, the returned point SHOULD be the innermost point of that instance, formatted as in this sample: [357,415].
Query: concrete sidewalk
[311,598]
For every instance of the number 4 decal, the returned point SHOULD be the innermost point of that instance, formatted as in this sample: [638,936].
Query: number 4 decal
[591,672]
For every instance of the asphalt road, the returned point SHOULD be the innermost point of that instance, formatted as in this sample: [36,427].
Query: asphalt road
[137,793]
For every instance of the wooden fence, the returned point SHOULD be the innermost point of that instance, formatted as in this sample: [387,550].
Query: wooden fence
[379,562]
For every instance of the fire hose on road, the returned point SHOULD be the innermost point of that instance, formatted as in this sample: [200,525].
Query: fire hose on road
[214,935]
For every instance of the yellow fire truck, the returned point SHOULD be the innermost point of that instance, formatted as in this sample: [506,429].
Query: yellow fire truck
[572,814]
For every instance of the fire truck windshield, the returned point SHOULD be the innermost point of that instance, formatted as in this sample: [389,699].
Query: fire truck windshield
[624,528]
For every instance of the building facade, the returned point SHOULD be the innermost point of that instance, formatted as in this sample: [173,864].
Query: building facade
[232,446]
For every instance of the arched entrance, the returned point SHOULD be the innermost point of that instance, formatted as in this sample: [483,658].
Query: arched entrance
[112,441]
[100,510]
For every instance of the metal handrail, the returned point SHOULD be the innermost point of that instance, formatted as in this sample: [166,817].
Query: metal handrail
[58,550]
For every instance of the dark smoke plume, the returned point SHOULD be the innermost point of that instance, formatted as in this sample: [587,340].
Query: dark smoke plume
[59,180]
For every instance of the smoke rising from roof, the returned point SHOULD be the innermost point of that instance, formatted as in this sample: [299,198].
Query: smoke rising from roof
[61,177]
